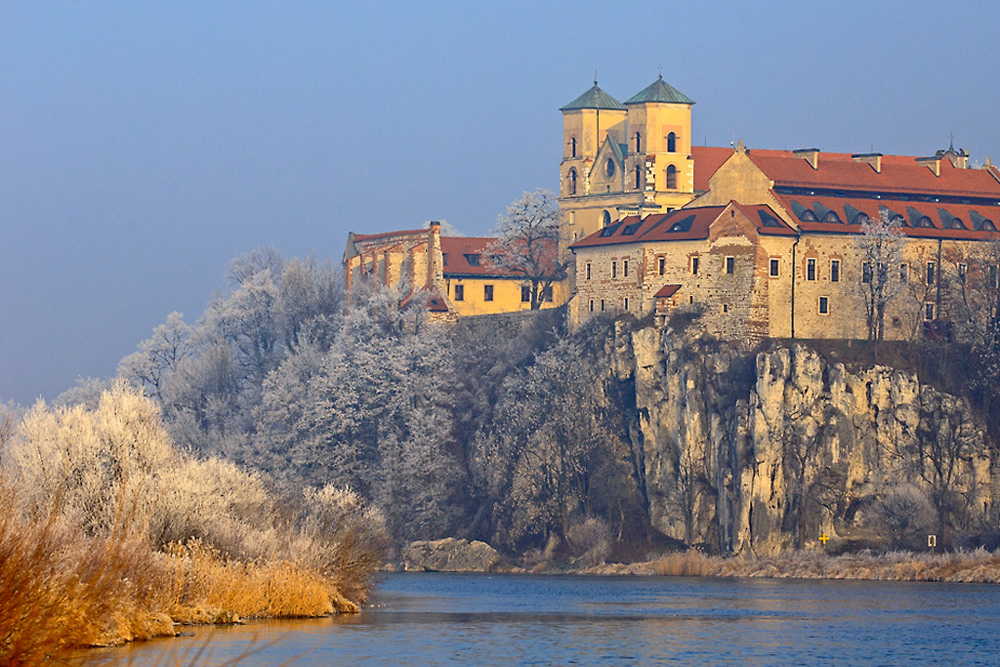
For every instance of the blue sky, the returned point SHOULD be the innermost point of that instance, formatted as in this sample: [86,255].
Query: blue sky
[143,145]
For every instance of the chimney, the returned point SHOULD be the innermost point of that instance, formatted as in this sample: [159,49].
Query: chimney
[811,156]
[932,163]
[873,160]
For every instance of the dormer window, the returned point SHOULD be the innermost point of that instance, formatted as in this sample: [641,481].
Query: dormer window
[831,216]
[472,259]
[609,168]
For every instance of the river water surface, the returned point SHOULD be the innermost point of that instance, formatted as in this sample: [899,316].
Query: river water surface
[452,619]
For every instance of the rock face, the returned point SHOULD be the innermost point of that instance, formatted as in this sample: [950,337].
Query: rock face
[450,555]
[752,455]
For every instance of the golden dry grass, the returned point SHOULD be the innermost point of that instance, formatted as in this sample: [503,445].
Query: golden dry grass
[979,566]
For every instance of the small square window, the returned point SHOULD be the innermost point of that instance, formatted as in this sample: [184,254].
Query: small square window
[774,267]
[824,305]
[730,265]
[459,292]
[834,270]
[487,292]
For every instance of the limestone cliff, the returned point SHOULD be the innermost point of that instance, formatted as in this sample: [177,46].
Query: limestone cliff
[757,453]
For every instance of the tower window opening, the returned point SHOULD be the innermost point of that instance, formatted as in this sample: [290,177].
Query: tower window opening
[671,177]
[638,177]
[572,147]
[637,142]
[671,143]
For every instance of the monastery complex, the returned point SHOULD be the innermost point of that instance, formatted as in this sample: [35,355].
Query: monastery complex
[761,243]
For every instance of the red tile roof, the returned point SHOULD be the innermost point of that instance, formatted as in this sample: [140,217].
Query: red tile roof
[940,214]
[457,249]
[707,160]
[684,224]
[839,171]
[666,291]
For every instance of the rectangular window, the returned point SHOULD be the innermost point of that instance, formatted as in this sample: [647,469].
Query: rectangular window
[773,272]
[626,303]
[725,307]
[547,294]
[459,292]
[625,268]
[930,273]
[730,265]
[834,270]
[904,273]
[993,276]
[588,270]
[824,305]
[810,269]
[472,259]
[602,305]
[591,305]
[928,311]
[866,273]
[962,270]
[525,294]
[694,266]
[662,265]
[487,292]
[614,269]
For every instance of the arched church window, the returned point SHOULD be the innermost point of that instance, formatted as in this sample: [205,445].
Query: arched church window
[605,219]
[572,181]
[671,177]
[638,177]
[609,168]
[671,143]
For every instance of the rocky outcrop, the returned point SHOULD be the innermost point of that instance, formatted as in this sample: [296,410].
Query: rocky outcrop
[450,555]
[748,454]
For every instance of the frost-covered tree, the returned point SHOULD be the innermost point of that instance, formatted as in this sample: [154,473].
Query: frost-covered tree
[880,247]
[150,367]
[527,243]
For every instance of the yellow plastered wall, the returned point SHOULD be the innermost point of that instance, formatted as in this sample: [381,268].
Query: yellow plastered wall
[506,294]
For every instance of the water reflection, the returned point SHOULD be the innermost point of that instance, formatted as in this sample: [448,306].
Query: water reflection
[512,620]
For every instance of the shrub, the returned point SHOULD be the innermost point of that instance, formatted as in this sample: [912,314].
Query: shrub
[590,541]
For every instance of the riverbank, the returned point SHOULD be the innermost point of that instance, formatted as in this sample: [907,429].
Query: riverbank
[978,566]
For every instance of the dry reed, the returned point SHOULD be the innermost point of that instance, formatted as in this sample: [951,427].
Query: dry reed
[978,566]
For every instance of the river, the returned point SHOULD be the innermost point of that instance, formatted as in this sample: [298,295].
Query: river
[454,619]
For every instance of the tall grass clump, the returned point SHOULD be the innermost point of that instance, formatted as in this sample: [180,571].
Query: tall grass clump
[109,534]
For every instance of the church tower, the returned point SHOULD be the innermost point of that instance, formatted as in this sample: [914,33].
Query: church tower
[624,159]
